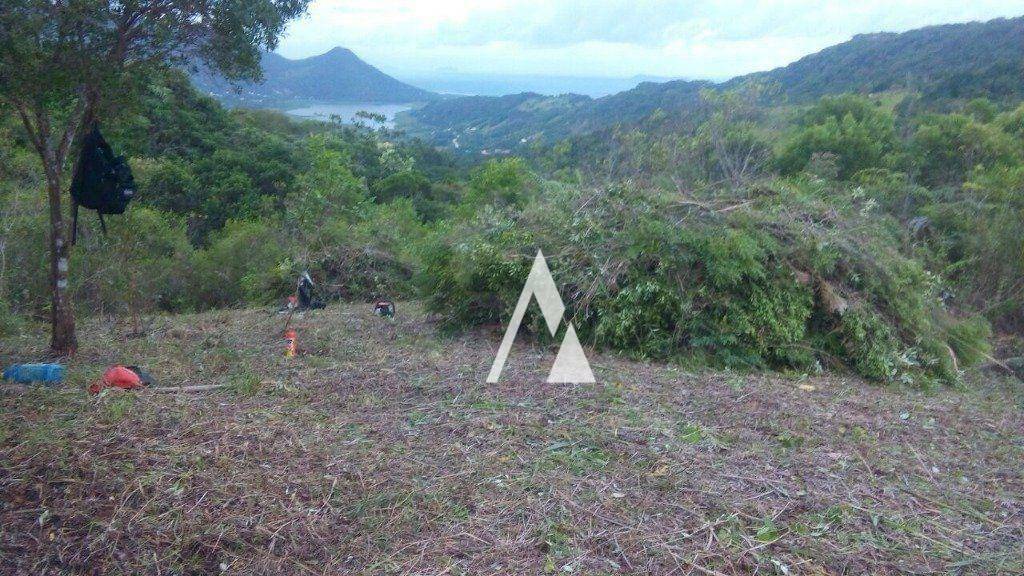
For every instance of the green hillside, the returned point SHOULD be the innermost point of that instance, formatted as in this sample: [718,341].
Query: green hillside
[940,64]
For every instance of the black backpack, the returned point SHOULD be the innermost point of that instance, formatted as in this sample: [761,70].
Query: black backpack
[102,182]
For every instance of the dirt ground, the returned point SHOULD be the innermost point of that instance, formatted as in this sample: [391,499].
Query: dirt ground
[381,450]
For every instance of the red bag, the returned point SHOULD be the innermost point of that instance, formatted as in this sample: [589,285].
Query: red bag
[117,377]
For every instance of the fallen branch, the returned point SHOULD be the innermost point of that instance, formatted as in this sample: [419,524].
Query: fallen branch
[199,388]
[996,362]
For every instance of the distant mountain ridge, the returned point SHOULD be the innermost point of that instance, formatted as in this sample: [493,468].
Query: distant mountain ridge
[497,84]
[336,76]
[941,63]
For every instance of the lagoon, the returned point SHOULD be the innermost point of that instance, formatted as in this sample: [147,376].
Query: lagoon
[347,112]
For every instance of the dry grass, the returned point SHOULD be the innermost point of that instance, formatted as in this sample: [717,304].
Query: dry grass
[382,451]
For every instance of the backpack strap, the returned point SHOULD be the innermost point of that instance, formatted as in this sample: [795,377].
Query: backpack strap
[74,221]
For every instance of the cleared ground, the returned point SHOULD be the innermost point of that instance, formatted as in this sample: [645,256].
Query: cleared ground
[380,450]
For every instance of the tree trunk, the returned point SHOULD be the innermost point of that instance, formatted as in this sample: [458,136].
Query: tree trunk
[53,154]
[63,340]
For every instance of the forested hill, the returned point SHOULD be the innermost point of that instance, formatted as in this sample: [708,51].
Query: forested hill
[940,63]
[498,124]
[952,61]
[336,76]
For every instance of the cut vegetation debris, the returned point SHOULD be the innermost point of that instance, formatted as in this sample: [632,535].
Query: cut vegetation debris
[382,451]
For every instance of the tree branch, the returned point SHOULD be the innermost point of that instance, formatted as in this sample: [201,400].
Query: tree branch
[72,127]
[33,133]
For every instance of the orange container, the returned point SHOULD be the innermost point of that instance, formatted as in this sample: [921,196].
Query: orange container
[289,343]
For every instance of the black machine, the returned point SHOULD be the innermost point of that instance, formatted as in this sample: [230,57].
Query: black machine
[102,182]
[384,309]
[304,291]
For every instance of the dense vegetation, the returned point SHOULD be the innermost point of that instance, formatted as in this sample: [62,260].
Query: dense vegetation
[842,244]
[852,233]
[231,205]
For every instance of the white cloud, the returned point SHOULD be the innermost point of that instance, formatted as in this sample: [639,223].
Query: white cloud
[696,39]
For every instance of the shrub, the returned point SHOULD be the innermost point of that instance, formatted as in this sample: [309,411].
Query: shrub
[430,203]
[328,190]
[245,262]
[10,322]
[851,129]
[138,266]
[26,268]
[804,272]
[407,184]
[870,344]
[969,340]
[946,148]
[367,259]
[502,182]
[977,234]
[641,319]
[477,280]
[167,184]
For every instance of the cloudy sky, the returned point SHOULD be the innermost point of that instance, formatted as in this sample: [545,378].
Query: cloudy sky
[613,38]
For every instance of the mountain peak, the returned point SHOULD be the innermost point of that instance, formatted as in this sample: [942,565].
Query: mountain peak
[339,51]
[335,76]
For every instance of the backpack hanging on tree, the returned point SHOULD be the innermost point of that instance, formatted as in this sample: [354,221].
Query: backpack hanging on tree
[102,182]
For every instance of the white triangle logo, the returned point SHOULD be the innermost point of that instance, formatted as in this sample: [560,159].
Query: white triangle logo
[571,363]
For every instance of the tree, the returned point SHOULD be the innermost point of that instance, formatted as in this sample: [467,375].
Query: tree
[504,182]
[946,148]
[981,109]
[858,134]
[327,189]
[64,64]
[739,152]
